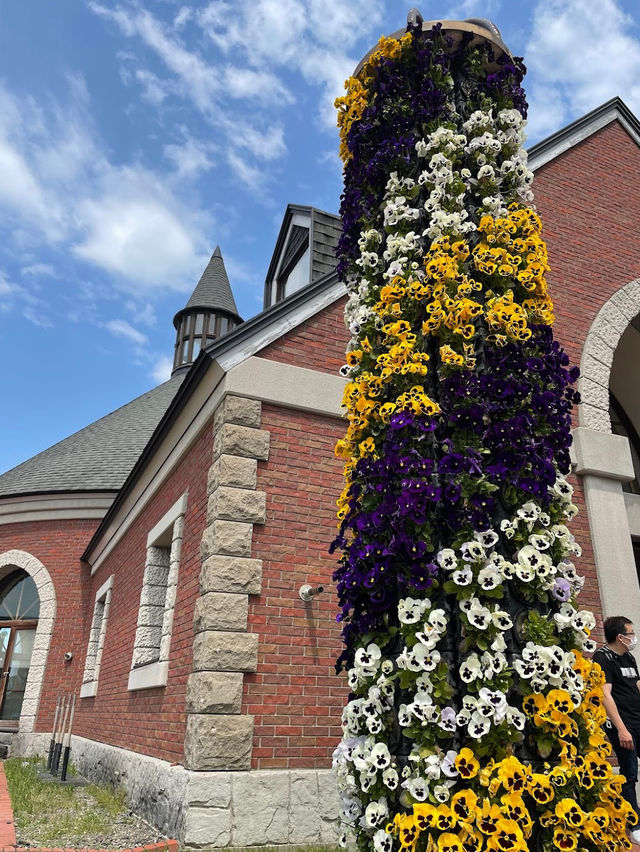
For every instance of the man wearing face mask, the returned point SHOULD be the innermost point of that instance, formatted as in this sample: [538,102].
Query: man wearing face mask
[622,703]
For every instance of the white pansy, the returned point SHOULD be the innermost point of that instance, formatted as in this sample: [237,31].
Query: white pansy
[470,669]
[441,793]
[380,756]
[499,643]
[501,619]
[516,718]
[473,551]
[390,778]
[487,538]
[417,788]
[489,578]
[541,542]
[529,512]
[448,764]
[411,610]
[382,842]
[437,618]
[463,576]
[478,726]
[447,559]
[376,812]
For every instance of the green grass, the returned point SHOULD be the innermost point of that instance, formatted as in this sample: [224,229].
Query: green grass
[47,813]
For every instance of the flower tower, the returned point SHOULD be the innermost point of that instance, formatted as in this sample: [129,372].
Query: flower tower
[474,720]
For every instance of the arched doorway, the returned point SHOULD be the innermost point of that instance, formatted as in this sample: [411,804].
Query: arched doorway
[19,613]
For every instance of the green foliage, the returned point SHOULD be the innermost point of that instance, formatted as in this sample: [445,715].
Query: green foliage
[47,812]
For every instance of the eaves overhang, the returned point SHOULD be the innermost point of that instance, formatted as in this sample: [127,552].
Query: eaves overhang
[568,137]
[230,349]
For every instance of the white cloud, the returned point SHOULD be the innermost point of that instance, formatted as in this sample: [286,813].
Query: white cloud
[58,187]
[161,371]
[154,90]
[580,55]
[191,158]
[256,85]
[121,328]
[200,81]
[38,270]
[135,233]
[38,317]
[264,145]
[252,177]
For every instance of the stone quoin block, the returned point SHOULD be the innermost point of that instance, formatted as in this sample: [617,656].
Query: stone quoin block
[214,692]
[221,611]
[260,807]
[232,471]
[237,504]
[231,574]
[218,742]
[221,651]
[239,410]
[228,538]
[207,827]
[241,441]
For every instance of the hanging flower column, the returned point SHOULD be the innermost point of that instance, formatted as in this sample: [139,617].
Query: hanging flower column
[474,720]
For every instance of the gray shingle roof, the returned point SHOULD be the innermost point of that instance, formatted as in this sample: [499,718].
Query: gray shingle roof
[98,457]
[213,290]
[327,228]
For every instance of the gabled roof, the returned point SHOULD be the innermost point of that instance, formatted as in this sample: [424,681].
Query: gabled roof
[579,130]
[303,225]
[98,457]
[213,290]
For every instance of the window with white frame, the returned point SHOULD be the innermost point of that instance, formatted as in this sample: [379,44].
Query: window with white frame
[150,661]
[96,640]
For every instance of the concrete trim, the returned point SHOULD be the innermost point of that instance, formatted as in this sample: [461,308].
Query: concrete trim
[287,385]
[600,344]
[212,809]
[40,653]
[54,507]
[268,332]
[168,519]
[295,390]
[149,676]
[97,636]
[89,690]
[632,507]
[602,454]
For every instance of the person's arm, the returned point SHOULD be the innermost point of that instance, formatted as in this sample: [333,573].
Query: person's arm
[626,740]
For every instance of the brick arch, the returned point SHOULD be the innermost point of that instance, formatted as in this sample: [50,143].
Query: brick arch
[40,576]
[600,345]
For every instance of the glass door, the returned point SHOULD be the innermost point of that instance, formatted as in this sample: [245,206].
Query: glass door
[19,611]
[15,670]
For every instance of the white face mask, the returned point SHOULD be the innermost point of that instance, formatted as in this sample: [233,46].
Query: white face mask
[633,641]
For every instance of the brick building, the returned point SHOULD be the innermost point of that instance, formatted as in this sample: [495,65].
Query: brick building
[151,563]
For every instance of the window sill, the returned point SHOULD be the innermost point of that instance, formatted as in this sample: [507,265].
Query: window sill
[149,676]
[88,690]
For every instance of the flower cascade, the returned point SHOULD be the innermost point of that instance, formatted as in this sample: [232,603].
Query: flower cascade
[475,720]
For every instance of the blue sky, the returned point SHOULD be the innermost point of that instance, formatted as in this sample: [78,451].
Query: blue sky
[135,136]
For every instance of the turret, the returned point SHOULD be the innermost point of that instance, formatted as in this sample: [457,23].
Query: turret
[210,312]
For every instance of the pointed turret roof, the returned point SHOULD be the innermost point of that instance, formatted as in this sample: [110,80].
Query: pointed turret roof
[213,290]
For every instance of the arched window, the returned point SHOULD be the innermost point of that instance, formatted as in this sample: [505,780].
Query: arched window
[621,425]
[19,599]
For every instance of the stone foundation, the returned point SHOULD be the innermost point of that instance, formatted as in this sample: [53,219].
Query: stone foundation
[279,806]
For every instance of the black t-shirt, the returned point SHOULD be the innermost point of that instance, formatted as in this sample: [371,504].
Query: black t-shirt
[621,671]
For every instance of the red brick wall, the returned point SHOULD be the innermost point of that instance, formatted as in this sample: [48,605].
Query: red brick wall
[589,201]
[151,721]
[317,344]
[58,545]
[295,695]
